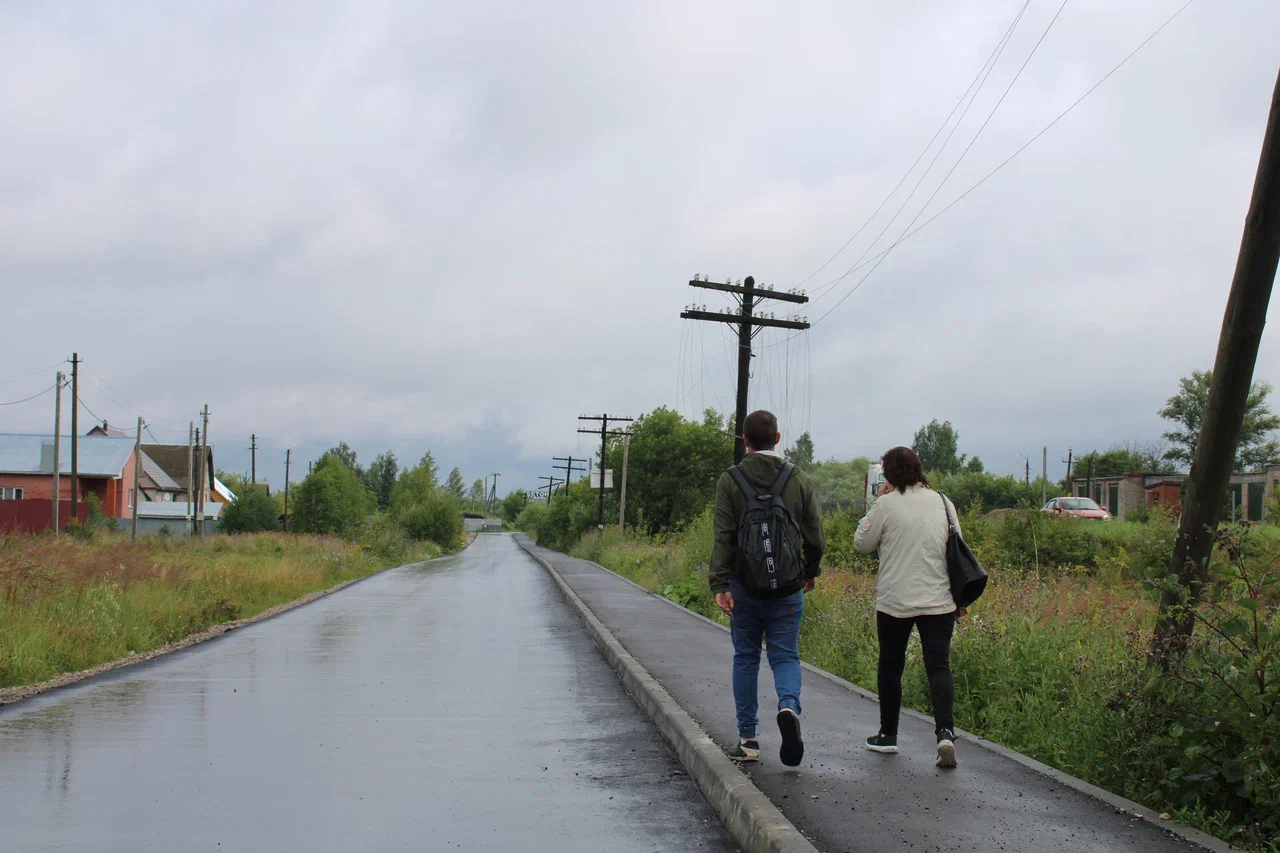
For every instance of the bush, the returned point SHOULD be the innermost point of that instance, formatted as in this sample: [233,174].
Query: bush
[530,517]
[383,539]
[331,500]
[438,518]
[253,511]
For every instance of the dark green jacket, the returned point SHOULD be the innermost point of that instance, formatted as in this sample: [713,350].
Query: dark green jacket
[799,496]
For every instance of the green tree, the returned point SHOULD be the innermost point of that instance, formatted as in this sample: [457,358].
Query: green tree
[938,446]
[344,454]
[1124,459]
[437,518]
[801,453]
[839,483]
[331,500]
[1186,410]
[253,511]
[455,486]
[975,466]
[475,497]
[381,477]
[674,465]
[514,504]
[414,486]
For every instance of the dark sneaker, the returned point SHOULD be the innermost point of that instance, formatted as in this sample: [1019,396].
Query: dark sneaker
[883,743]
[946,748]
[749,751]
[792,743]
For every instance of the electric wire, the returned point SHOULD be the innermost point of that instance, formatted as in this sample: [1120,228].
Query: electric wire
[29,375]
[32,397]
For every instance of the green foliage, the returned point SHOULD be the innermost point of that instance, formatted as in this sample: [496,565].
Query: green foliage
[344,454]
[381,477]
[1131,458]
[839,484]
[573,511]
[253,511]
[1218,710]
[415,485]
[989,491]
[938,447]
[331,500]
[674,466]
[423,509]
[801,453]
[514,504]
[530,518]
[1186,410]
[475,497]
[95,515]
[455,486]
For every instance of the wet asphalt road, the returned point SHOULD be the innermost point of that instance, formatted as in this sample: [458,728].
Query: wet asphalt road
[453,706]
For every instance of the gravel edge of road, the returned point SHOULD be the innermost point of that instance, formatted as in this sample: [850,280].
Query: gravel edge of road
[1186,833]
[12,695]
[750,817]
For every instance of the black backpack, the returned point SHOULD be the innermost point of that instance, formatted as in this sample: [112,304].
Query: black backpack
[769,546]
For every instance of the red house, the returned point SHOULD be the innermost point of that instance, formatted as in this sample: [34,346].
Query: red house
[26,474]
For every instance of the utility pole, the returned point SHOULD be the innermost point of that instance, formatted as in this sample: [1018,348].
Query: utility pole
[552,482]
[57,450]
[1070,485]
[191,475]
[604,439]
[288,455]
[748,323]
[75,436]
[1242,325]
[203,466]
[137,469]
[1028,458]
[1044,476]
[493,496]
[1089,480]
[568,468]
[253,457]
[622,500]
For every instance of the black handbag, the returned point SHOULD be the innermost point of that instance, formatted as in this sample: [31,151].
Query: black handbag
[968,578]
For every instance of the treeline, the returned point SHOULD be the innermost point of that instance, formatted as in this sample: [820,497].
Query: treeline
[381,502]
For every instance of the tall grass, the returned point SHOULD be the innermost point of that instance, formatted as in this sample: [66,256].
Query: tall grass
[67,605]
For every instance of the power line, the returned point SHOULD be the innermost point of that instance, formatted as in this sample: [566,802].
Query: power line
[878,258]
[29,375]
[995,55]
[32,397]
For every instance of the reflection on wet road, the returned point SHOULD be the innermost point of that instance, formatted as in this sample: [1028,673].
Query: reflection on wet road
[453,706]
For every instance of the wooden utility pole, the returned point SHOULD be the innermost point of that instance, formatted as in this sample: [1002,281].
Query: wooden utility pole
[622,500]
[288,455]
[604,434]
[191,476]
[748,323]
[1071,487]
[253,459]
[75,436]
[568,468]
[552,482]
[57,449]
[1238,342]
[202,467]
[137,470]
[1044,476]
[492,499]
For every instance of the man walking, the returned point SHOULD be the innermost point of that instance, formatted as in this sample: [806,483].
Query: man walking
[767,553]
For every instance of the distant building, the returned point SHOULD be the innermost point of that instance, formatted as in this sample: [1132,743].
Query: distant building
[1246,494]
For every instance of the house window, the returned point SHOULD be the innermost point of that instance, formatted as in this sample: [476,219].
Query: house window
[10,493]
[131,497]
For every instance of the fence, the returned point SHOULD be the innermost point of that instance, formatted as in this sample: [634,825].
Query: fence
[32,516]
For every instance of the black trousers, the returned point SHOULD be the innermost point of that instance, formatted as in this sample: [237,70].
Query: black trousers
[935,638]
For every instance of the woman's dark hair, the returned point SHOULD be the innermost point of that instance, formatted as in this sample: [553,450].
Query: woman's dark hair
[902,468]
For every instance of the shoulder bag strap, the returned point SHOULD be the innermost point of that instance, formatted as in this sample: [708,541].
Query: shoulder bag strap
[951,525]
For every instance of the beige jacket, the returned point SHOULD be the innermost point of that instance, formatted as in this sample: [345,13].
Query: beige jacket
[910,533]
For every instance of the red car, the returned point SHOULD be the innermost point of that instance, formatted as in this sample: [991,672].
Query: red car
[1077,508]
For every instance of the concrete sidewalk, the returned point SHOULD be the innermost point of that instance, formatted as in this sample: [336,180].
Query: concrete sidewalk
[844,797]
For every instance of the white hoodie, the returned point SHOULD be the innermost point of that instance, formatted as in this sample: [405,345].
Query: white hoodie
[910,533]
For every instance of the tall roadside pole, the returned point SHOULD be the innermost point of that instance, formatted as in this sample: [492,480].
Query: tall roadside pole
[191,475]
[75,436]
[1044,476]
[1238,342]
[622,499]
[57,450]
[288,454]
[137,469]
[568,468]
[604,434]
[749,323]
[202,468]
[552,482]
[253,457]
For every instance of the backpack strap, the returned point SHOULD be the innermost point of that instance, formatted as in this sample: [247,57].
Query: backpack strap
[951,525]
[784,477]
[748,491]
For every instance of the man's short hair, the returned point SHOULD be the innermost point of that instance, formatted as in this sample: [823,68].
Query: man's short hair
[761,430]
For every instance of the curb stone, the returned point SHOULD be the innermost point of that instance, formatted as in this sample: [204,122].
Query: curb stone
[1178,830]
[750,817]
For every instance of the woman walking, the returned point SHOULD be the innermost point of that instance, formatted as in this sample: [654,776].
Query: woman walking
[908,526]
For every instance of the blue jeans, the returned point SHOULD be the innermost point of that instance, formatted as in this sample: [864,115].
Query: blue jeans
[778,621]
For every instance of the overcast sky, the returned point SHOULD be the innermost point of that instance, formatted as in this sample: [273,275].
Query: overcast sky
[461,225]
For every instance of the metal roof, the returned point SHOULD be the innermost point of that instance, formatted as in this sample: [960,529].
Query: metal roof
[98,456]
[162,480]
[175,509]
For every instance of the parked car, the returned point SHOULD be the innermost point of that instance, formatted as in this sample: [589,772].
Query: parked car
[1077,508]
